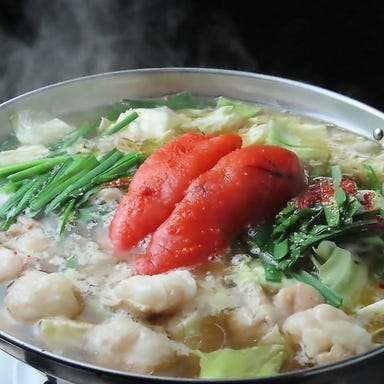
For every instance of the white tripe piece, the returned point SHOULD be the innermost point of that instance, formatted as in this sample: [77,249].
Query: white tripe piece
[159,293]
[123,342]
[326,334]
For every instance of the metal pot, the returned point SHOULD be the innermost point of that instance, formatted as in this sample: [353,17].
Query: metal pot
[100,90]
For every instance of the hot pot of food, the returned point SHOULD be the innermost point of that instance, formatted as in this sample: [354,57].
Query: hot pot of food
[192,225]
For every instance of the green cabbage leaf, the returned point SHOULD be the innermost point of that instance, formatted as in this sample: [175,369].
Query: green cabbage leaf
[339,271]
[264,359]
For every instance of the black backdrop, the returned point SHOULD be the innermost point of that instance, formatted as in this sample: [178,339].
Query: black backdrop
[327,43]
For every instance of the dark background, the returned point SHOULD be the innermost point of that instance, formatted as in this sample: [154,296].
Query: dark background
[331,44]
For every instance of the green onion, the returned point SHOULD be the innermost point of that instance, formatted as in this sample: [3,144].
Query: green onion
[19,202]
[13,200]
[331,297]
[58,185]
[182,100]
[35,170]
[9,143]
[74,136]
[121,124]
[119,169]
[65,216]
[285,242]
[24,202]
[13,168]
[61,184]
[83,181]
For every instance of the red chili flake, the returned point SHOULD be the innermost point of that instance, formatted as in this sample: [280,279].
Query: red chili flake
[310,197]
[349,186]
[368,200]
[381,285]
[327,191]
[118,183]
[322,191]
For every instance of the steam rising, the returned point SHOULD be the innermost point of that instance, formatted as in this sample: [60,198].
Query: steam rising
[62,39]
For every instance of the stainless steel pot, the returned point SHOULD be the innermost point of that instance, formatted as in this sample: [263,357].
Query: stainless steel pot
[100,90]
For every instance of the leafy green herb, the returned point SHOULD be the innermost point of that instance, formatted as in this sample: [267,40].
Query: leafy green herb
[285,244]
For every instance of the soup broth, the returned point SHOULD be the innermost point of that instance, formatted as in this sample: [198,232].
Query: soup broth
[300,287]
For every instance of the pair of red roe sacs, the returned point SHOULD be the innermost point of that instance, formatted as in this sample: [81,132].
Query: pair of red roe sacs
[195,193]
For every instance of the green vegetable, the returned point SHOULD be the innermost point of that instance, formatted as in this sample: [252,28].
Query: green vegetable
[265,359]
[371,180]
[63,333]
[339,271]
[308,141]
[284,244]
[73,137]
[229,363]
[27,192]
[61,184]
[331,296]
[71,262]
[238,107]
[9,143]
[182,100]
[66,213]
[121,124]
[261,273]
[9,171]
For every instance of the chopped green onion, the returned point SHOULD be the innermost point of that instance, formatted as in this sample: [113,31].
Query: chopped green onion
[331,297]
[121,124]
[82,180]
[285,242]
[13,200]
[58,185]
[36,170]
[13,168]
[65,216]
[74,136]
[182,100]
